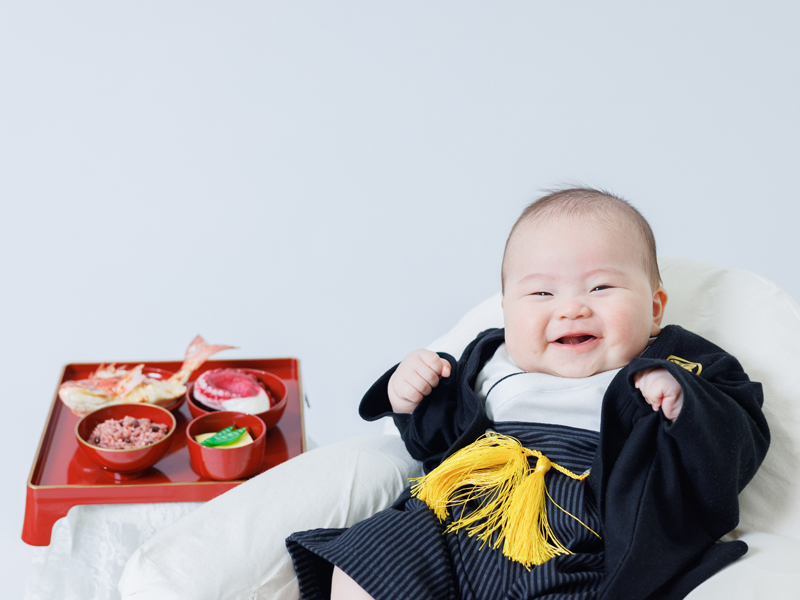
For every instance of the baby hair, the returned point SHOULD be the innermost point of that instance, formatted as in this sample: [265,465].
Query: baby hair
[601,206]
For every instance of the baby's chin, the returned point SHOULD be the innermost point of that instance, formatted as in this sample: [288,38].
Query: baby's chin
[578,373]
[568,371]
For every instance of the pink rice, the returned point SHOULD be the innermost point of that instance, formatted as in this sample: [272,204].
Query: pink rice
[126,433]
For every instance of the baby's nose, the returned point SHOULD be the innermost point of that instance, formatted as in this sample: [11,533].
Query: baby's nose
[574,308]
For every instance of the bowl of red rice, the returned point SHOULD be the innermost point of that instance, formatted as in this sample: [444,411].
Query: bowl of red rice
[126,439]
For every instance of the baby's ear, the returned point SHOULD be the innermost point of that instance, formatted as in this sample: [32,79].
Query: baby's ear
[659,304]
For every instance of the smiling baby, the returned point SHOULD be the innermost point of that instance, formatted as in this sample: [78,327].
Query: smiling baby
[581,452]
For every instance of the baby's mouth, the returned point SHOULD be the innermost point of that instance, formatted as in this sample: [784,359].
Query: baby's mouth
[574,340]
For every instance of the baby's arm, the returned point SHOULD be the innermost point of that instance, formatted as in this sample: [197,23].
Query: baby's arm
[414,379]
[661,390]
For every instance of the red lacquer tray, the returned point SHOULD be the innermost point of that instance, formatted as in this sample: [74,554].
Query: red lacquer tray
[61,477]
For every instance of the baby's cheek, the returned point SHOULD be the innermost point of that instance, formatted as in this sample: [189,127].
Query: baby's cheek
[618,332]
[631,333]
[518,353]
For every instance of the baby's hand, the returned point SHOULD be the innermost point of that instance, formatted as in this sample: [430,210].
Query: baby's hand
[661,390]
[414,379]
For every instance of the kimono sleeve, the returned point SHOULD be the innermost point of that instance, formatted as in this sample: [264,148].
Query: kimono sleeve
[669,491]
[721,436]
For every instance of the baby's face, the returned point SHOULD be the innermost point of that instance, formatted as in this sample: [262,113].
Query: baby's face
[577,299]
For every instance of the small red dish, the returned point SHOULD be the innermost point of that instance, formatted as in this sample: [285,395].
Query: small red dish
[161,374]
[275,386]
[133,462]
[226,463]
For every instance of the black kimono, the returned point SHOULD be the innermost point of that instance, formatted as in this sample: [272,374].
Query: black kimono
[664,493]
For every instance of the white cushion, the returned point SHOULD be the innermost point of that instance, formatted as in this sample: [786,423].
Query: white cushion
[756,321]
[768,570]
[759,323]
[233,546]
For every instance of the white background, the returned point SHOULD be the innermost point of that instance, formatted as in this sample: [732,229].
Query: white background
[334,181]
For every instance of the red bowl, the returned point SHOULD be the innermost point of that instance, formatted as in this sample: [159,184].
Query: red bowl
[226,463]
[275,386]
[161,374]
[134,462]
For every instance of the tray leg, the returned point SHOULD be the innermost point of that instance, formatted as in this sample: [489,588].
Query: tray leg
[40,516]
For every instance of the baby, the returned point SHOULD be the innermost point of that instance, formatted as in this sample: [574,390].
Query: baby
[653,432]
[580,297]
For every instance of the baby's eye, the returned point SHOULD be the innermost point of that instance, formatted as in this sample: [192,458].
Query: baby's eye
[600,288]
[541,294]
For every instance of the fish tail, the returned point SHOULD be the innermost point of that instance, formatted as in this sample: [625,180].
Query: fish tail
[198,352]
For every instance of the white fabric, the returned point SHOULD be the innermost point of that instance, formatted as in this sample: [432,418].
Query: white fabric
[767,572]
[511,394]
[759,323]
[233,546]
[756,321]
[90,546]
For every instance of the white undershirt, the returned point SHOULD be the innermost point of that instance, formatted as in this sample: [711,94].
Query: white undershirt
[515,395]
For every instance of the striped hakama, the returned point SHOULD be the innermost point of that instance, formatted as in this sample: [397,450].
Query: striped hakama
[403,552]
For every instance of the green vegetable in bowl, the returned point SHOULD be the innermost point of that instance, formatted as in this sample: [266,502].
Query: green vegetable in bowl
[226,436]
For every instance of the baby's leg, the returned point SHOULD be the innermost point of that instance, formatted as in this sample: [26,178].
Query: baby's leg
[344,588]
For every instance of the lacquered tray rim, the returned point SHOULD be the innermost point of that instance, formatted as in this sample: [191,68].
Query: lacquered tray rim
[49,424]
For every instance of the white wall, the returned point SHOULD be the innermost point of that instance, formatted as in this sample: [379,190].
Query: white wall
[335,180]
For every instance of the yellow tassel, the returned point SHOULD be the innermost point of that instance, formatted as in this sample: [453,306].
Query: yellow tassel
[494,471]
[528,538]
[492,464]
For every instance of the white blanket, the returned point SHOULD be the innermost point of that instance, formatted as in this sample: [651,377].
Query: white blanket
[232,547]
